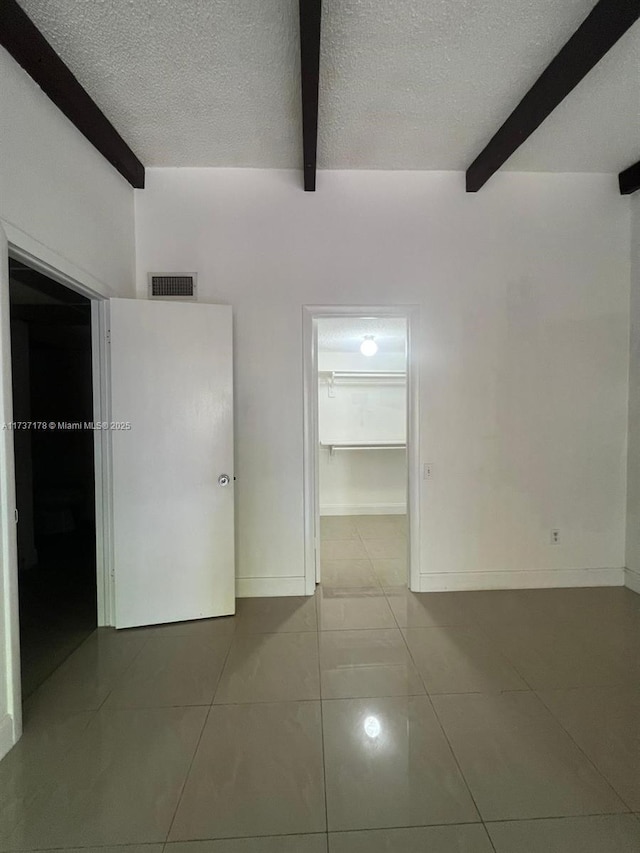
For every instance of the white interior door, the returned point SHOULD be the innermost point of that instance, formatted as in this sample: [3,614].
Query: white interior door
[171,379]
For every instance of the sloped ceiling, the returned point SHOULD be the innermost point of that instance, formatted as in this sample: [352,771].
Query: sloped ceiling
[405,84]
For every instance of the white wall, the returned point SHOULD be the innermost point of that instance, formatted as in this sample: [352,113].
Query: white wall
[363,482]
[62,203]
[356,482]
[59,198]
[633,459]
[361,410]
[336,360]
[524,297]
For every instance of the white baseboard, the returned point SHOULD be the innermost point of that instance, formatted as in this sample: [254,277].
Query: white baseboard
[7,735]
[266,587]
[632,580]
[457,581]
[364,509]
[532,579]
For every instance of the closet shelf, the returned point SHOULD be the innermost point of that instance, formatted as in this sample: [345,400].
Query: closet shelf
[363,445]
[392,376]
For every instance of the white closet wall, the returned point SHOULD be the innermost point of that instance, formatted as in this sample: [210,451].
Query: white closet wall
[363,481]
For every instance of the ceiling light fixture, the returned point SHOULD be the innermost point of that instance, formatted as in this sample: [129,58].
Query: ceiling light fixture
[368,346]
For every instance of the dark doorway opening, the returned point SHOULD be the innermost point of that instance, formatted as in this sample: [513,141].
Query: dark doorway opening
[54,459]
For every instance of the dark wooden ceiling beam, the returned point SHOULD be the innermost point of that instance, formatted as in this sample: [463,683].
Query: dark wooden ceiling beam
[310,25]
[601,29]
[24,41]
[629,180]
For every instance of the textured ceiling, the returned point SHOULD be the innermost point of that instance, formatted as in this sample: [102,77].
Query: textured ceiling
[405,84]
[345,334]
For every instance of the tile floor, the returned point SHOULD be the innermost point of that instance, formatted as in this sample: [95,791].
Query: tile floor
[366,718]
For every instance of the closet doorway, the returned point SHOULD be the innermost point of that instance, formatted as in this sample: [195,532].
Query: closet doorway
[361,447]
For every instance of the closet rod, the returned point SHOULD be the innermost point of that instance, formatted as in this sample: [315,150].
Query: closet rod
[376,445]
[363,374]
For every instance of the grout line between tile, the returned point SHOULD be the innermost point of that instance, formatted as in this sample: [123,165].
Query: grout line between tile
[556,719]
[531,690]
[444,734]
[225,838]
[90,847]
[120,677]
[91,712]
[195,751]
[168,844]
[489,838]
[557,817]
[324,760]
[577,745]
[34,690]
[446,737]
[187,774]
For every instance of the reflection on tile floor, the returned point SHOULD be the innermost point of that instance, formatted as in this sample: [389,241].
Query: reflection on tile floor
[366,718]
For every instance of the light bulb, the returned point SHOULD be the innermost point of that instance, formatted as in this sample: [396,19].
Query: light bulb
[368,346]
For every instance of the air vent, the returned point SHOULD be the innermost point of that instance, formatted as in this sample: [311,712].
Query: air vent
[181,285]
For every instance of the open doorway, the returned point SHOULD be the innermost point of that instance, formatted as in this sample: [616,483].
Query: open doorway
[361,447]
[54,463]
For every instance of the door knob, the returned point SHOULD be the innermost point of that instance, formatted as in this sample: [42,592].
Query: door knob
[224,480]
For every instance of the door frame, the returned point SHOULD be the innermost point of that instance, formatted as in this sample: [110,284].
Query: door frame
[101,413]
[310,316]
[102,472]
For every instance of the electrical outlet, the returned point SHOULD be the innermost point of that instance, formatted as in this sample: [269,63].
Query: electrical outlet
[427,471]
[555,536]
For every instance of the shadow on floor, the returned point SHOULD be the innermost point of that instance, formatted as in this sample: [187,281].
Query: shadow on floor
[57,604]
